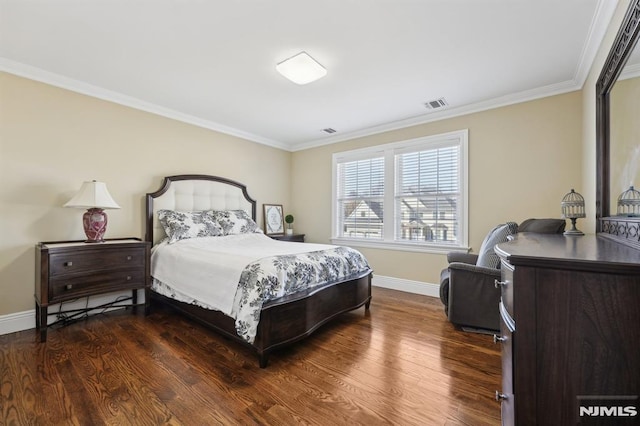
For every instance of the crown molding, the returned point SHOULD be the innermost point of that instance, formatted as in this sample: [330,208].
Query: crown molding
[597,30]
[630,71]
[602,17]
[601,20]
[37,74]
[515,98]
[57,80]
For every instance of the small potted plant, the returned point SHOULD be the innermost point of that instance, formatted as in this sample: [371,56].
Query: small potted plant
[289,219]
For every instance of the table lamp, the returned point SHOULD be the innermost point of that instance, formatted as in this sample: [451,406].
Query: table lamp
[95,198]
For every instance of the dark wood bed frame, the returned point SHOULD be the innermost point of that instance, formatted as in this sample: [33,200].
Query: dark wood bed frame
[282,321]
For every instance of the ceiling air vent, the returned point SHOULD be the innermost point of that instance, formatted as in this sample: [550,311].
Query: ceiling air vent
[329,130]
[436,104]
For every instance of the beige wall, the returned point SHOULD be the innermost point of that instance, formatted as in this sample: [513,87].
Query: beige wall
[51,140]
[522,160]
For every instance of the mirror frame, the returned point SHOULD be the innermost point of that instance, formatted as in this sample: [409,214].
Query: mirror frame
[623,45]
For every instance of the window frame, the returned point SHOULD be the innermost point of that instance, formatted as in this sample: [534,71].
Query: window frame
[389,152]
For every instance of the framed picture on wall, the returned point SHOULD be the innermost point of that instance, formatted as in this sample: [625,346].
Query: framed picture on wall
[273,219]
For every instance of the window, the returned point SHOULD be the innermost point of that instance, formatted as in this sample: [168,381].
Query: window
[360,198]
[404,195]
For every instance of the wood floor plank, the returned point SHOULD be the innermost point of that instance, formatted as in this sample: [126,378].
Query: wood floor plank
[401,363]
[29,374]
[164,366]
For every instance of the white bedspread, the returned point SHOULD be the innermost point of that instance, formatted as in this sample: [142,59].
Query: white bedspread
[208,269]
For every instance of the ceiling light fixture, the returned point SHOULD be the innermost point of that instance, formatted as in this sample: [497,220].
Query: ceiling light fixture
[301,68]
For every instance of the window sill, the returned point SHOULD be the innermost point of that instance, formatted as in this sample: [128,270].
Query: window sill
[401,246]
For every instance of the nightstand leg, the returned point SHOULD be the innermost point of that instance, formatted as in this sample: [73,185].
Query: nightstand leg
[41,321]
[147,301]
[134,300]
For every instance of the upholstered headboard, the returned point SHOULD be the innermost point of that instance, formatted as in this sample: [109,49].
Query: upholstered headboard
[193,193]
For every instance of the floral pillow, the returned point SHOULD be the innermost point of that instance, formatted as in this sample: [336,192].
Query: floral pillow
[235,222]
[182,225]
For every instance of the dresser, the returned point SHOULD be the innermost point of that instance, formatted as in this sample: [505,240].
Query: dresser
[70,270]
[296,238]
[570,330]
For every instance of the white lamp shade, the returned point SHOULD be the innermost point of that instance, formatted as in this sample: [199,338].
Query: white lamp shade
[93,195]
[301,69]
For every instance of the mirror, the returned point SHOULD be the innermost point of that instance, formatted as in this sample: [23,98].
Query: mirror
[624,130]
[618,137]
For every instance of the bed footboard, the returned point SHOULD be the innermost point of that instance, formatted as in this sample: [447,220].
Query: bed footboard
[288,319]
[310,310]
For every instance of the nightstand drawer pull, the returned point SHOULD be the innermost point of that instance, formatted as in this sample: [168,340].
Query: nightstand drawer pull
[128,257]
[128,277]
[69,286]
[68,263]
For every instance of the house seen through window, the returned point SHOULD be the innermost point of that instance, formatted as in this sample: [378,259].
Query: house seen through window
[405,193]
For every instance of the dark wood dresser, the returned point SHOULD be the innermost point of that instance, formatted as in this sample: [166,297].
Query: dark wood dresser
[296,238]
[570,330]
[68,270]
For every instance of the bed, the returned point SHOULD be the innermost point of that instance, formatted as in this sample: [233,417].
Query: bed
[280,321]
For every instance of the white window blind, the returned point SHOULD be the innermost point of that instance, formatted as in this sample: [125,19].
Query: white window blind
[409,195]
[427,194]
[360,198]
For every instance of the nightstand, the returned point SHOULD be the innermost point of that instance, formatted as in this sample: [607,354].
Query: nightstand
[297,238]
[67,270]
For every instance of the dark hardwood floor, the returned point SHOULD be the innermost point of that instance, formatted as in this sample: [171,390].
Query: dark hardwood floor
[400,364]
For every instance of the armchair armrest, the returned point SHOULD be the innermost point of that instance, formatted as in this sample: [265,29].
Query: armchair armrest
[457,256]
[466,268]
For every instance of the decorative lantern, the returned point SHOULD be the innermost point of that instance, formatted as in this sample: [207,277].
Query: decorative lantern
[629,203]
[573,208]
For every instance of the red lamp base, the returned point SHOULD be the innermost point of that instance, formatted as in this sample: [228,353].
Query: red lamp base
[95,225]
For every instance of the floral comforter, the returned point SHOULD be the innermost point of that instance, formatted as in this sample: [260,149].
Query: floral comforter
[237,274]
[277,276]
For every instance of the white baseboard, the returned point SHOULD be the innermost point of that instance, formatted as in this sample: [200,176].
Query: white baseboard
[17,321]
[409,286]
[26,320]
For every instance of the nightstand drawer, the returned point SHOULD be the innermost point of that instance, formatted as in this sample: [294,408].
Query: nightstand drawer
[64,288]
[83,261]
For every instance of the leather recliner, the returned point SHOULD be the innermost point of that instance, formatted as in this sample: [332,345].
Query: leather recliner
[467,285]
